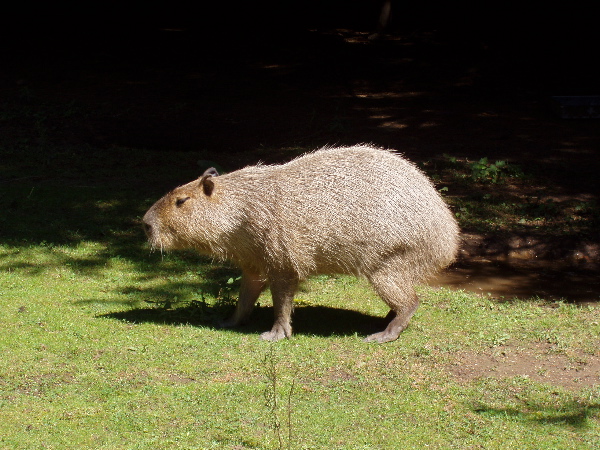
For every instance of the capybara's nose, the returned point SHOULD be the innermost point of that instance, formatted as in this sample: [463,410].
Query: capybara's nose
[147,228]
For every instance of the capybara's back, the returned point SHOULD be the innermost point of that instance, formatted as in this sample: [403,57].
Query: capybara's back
[355,210]
[358,210]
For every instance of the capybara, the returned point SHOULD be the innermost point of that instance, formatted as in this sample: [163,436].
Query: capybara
[350,210]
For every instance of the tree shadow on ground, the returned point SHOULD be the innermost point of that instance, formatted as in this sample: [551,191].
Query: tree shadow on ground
[308,320]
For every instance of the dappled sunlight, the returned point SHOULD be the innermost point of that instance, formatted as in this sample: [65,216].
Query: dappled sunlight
[393,124]
[387,95]
[572,147]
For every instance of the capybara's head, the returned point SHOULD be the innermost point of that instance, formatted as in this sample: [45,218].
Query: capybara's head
[176,220]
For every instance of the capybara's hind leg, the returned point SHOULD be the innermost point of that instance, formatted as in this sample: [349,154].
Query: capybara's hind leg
[251,287]
[400,296]
[283,289]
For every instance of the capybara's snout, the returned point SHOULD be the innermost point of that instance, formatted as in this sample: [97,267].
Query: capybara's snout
[148,223]
[147,229]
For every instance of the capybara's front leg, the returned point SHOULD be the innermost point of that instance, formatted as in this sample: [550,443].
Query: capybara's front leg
[282,290]
[252,285]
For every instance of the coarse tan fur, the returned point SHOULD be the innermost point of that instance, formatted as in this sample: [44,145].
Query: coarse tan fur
[351,210]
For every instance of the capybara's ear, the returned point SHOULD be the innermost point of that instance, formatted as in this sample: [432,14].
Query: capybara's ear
[211,171]
[207,185]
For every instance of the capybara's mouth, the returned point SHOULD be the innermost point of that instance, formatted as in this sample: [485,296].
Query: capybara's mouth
[165,243]
[153,238]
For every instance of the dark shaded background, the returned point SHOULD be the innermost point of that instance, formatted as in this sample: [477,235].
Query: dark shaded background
[236,75]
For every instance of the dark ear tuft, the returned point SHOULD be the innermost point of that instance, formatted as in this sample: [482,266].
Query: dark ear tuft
[211,172]
[207,185]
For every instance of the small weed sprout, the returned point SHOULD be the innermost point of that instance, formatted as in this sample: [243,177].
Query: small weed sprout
[272,401]
[485,171]
[225,297]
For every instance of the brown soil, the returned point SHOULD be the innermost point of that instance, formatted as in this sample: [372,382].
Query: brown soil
[527,266]
[539,362]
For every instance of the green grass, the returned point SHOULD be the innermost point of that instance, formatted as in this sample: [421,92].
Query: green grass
[106,345]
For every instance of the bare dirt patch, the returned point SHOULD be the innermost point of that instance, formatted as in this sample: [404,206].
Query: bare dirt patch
[539,362]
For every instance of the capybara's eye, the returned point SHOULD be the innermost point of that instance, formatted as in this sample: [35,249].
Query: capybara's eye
[181,201]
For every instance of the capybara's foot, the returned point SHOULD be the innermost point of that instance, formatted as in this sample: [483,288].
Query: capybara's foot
[277,333]
[381,337]
[391,332]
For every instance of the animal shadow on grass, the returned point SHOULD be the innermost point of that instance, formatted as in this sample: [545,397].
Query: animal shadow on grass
[222,282]
[307,320]
[572,413]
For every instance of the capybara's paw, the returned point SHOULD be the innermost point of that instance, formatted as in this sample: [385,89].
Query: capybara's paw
[275,334]
[381,337]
